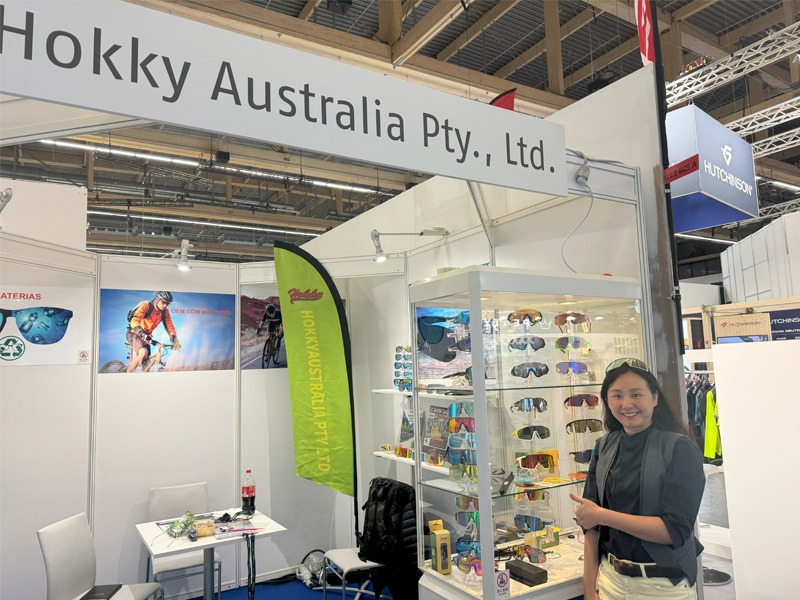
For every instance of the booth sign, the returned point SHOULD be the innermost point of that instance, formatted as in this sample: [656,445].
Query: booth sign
[785,324]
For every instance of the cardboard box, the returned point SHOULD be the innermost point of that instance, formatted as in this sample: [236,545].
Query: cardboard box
[440,547]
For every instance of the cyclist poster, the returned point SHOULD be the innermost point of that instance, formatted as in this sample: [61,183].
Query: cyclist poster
[162,330]
[261,329]
[45,325]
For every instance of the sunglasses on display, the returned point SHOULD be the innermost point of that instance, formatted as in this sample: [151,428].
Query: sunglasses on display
[402,356]
[574,366]
[574,342]
[580,399]
[466,374]
[42,325]
[525,370]
[462,344]
[578,475]
[403,452]
[440,351]
[436,460]
[461,441]
[631,362]
[463,517]
[531,495]
[402,365]
[403,385]
[525,314]
[531,431]
[572,318]
[531,461]
[534,555]
[461,456]
[465,503]
[400,349]
[458,409]
[405,374]
[582,456]
[460,424]
[466,563]
[529,404]
[528,523]
[584,425]
[521,343]
[465,545]
[457,472]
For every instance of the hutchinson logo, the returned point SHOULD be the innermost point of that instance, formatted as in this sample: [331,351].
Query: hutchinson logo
[11,348]
[296,295]
[727,154]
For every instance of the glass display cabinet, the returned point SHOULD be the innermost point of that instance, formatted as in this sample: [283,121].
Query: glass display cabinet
[508,366]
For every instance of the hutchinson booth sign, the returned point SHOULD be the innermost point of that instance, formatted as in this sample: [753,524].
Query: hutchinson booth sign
[713,181]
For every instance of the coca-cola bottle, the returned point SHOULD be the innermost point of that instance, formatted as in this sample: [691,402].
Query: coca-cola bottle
[249,492]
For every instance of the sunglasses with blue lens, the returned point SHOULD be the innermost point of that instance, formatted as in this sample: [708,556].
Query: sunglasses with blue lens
[42,325]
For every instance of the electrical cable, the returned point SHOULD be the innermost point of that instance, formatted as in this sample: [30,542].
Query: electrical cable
[582,178]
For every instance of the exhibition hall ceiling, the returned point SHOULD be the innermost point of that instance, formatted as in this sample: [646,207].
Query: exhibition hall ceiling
[233,197]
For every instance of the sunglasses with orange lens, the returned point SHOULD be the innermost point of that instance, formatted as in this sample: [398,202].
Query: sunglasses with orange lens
[530,461]
[525,314]
[573,318]
[461,424]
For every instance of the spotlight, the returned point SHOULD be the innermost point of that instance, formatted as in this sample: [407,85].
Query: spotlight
[5,198]
[181,257]
[380,255]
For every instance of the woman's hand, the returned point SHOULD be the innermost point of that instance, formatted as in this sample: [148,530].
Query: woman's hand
[587,513]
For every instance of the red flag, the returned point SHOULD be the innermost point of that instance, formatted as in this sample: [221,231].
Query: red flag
[505,100]
[644,24]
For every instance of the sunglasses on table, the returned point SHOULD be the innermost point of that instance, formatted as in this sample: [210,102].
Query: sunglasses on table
[457,472]
[461,441]
[528,523]
[534,555]
[42,325]
[465,503]
[573,318]
[531,431]
[526,369]
[584,425]
[580,399]
[529,404]
[521,343]
[458,409]
[574,366]
[468,562]
[461,456]
[531,461]
[525,314]
[630,361]
[460,424]
[574,342]
[582,456]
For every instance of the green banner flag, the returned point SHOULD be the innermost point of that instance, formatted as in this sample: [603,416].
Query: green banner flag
[318,352]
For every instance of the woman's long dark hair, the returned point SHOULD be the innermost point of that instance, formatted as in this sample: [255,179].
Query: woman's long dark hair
[666,416]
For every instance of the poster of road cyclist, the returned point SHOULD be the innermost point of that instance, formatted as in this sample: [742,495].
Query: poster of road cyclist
[45,325]
[149,331]
[261,329]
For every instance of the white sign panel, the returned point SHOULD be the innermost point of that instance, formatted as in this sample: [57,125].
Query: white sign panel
[120,58]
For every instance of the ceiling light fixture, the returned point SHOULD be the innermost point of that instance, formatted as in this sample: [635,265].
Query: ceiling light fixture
[380,255]
[5,198]
[181,257]
[704,239]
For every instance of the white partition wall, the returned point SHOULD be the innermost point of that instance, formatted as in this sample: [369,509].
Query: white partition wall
[757,406]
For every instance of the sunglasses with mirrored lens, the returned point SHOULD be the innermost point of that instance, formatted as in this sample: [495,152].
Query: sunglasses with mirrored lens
[402,356]
[463,517]
[403,385]
[437,460]
[402,365]
[577,367]
[525,314]
[460,424]
[529,404]
[465,545]
[534,555]
[571,341]
[406,349]
[531,461]
[521,343]
[631,362]
[462,409]
[461,456]
[465,503]
[532,431]
[584,425]
[461,441]
[579,399]
[406,374]
[466,563]
[569,319]
[532,368]
[458,471]
[582,456]
[41,325]
[531,495]
[528,523]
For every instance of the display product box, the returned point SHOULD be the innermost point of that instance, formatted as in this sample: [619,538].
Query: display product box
[547,538]
[526,572]
[440,546]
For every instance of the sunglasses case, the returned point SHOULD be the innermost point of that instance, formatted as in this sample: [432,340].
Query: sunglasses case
[525,572]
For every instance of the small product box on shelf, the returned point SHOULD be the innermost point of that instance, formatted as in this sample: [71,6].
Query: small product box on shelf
[440,546]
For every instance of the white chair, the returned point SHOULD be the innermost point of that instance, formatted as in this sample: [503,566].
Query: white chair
[342,562]
[70,563]
[173,501]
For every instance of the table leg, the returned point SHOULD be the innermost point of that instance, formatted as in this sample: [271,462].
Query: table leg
[208,574]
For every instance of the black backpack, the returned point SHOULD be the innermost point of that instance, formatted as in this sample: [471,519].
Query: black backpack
[390,524]
[131,312]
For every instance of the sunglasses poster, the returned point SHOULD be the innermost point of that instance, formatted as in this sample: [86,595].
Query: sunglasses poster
[45,325]
[261,330]
[160,330]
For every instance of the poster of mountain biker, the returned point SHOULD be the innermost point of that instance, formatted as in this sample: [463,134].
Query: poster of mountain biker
[144,331]
[148,315]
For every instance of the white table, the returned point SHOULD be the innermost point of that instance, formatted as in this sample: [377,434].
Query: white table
[159,544]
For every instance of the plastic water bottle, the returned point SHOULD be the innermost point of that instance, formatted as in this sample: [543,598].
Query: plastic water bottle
[249,492]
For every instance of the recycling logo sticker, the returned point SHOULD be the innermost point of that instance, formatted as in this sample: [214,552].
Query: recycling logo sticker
[11,348]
